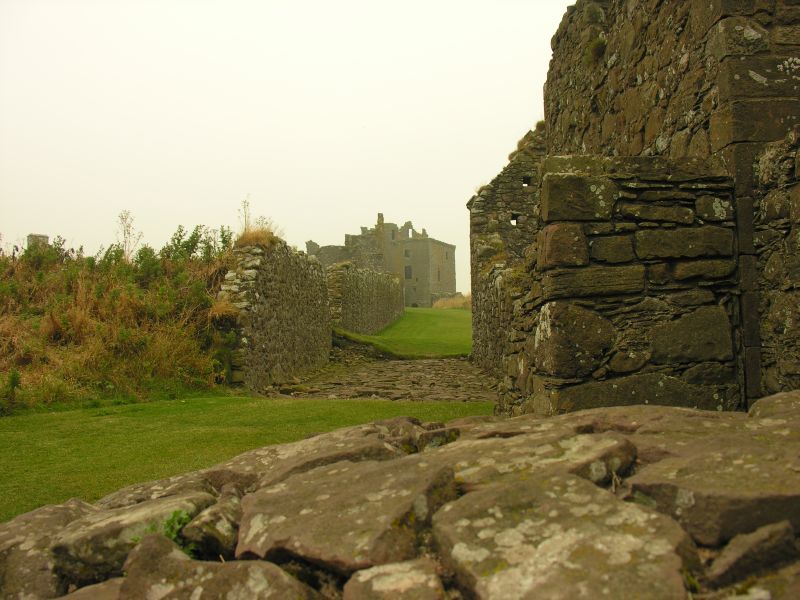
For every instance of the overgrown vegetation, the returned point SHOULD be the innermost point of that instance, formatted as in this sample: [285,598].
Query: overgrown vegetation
[171,529]
[129,322]
[595,52]
[459,302]
[47,457]
[260,231]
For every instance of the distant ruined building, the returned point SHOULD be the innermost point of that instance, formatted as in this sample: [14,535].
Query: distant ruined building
[425,266]
[643,243]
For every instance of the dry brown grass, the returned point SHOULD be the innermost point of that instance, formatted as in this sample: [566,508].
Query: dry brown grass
[458,302]
[255,236]
[221,310]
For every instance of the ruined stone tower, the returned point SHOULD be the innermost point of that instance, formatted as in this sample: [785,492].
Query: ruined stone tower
[425,266]
[642,245]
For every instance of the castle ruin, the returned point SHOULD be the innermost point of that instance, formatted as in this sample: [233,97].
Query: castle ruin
[641,246]
[425,266]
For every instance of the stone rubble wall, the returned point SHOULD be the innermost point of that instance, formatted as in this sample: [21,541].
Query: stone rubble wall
[633,293]
[652,77]
[503,220]
[283,325]
[775,345]
[362,300]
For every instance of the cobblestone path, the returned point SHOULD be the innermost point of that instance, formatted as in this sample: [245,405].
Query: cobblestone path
[430,379]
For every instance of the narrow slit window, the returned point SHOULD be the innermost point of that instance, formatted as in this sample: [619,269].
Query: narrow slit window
[408,272]
[526,181]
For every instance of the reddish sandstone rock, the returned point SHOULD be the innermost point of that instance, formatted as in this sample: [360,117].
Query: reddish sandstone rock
[410,580]
[347,516]
[560,537]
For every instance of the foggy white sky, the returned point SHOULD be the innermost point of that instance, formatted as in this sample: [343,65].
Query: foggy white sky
[324,112]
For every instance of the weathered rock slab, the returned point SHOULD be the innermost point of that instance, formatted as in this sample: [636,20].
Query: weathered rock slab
[345,517]
[749,553]
[410,580]
[157,568]
[560,537]
[108,590]
[271,464]
[26,565]
[755,482]
[94,547]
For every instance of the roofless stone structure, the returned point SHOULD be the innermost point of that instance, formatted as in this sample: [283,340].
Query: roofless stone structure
[641,245]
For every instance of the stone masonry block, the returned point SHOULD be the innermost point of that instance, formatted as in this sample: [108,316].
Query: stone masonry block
[758,77]
[737,36]
[702,335]
[570,340]
[684,243]
[646,388]
[704,269]
[656,212]
[794,203]
[612,249]
[570,197]
[787,35]
[714,208]
[752,372]
[593,281]
[748,275]
[753,121]
[562,245]
[751,319]
[745,225]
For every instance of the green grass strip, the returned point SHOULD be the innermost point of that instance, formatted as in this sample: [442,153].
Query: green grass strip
[423,333]
[47,458]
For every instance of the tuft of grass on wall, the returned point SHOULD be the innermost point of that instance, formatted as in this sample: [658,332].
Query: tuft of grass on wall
[595,51]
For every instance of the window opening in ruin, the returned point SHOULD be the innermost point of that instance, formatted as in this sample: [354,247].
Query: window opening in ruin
[393,232]
[526,181]
[514,219]
[438,274]
[407,253]
[408,272]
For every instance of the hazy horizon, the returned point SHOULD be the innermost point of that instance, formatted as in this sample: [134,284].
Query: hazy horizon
[324,114]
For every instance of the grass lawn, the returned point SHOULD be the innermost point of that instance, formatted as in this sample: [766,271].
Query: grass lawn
[48,457]
[424,333]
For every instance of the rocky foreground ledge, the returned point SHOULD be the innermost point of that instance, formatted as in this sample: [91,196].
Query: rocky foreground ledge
[629,502]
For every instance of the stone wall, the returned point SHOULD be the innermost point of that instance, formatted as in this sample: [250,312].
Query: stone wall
[654,77]
[717,82]
[776,272]
[632,294]
[362,300]
[282,324]
[503,221]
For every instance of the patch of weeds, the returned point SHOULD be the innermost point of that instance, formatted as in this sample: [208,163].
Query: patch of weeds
[644,500]
[8,394]
[171,528]
[595,51]
[690,581]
